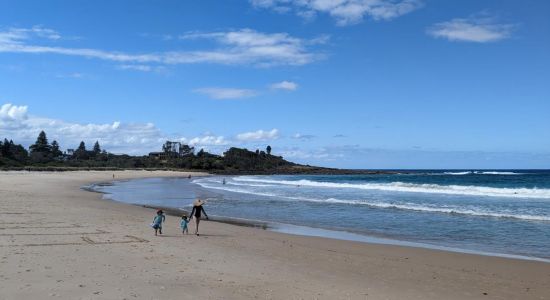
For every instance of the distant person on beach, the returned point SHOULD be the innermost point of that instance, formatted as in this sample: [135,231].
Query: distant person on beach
[183,224]
[189,176]
[157,221]
[197,212]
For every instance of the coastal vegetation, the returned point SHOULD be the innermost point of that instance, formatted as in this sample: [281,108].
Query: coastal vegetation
[43,155]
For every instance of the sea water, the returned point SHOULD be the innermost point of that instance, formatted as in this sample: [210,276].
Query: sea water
[504,212]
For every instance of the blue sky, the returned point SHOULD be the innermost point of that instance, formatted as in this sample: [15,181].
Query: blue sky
[342,83]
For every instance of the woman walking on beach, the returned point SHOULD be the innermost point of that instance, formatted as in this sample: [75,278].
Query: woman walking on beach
[197,212]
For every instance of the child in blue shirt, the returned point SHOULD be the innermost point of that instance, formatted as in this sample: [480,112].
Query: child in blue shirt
[157,222]
[183,224]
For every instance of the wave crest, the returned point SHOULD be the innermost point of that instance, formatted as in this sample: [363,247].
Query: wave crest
[467,190]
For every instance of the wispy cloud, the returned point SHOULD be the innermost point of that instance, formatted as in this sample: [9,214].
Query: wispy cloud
[14,34]
[259,135]
[478,29]
[75,75]
[300,136]
[345,12]
[238,47]
[262,49]
[357,156]
[284,85]
[142,68]
[226,93]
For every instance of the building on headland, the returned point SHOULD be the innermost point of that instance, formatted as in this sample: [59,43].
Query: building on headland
[173,150]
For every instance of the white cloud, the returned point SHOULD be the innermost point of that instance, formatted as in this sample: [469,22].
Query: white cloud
[345,12]
[19,34]
[259,135]
[284,85]
[474,29]
[300,136]
[117,137]
[11,113]
[208,140]
[262,49]
[226,93]
[243,47]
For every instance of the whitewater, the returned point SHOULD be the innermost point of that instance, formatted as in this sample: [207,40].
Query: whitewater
[416,188]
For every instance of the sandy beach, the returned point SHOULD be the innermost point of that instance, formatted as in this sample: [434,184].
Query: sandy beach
[61,242]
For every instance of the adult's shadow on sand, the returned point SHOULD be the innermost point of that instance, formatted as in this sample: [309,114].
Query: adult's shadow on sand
[214,235]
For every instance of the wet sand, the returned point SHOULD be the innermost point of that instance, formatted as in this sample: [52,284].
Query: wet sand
[61,242]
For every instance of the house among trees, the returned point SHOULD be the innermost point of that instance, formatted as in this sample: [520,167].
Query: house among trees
[173,150]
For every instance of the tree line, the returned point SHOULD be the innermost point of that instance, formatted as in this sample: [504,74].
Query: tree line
[42,152]
[45,154]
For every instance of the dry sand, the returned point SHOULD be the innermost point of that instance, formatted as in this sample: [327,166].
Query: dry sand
[60,242]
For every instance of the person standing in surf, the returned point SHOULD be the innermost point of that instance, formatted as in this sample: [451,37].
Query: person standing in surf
[197,212]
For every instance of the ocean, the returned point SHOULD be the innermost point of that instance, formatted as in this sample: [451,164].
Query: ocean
[479,211]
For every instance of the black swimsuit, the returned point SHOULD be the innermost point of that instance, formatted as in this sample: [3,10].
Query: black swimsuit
[197,210]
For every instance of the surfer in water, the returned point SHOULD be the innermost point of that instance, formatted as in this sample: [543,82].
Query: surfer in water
[223,181]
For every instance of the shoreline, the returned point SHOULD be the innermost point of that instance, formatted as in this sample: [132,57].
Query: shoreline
[309,231]
[65,242]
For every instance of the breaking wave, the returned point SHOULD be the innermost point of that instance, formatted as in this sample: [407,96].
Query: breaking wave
[471,211]
[469,190]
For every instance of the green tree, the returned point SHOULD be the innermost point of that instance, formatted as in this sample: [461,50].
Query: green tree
[185,150]
[41,145]
[81,153]
[55,149]
[5,148]
[81,147]
[268,150]
[13,152]
[97,149]
[18,152]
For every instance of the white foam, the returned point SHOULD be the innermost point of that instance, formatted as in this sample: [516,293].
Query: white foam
[234,190]
[397,186]
[499,173]
[473,211]
[479,173]
[455,173]
[249,184]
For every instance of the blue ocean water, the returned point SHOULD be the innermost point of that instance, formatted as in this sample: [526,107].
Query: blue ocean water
[488,211]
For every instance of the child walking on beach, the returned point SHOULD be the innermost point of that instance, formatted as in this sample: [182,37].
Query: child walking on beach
[157,221]
[183,224]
